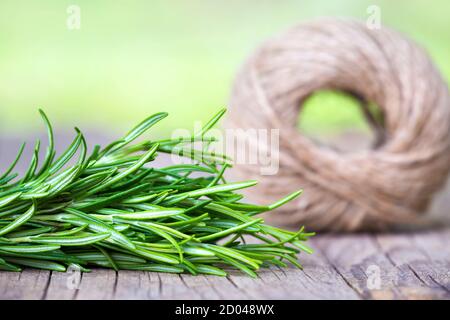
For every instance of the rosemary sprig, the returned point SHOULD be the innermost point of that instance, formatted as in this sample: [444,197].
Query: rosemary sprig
[111,209]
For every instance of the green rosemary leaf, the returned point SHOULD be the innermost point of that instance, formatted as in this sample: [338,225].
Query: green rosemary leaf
[190,222]
[279,203]
[195,251]
[156,256]
[119,257]
[5,266]
[108,257]
[7,179]
[226,232]
[149,214]
[46,255]
[66,232]
[29,232]
[211,123]
[153,267]
[29,248]
[217,189]
[208,269]
[189,267]
[33,163]
[135,132]
[13,164]
[234,254]
[51,143]
[66,155]
[162,233]
[8,199]
[237,264]
[19,221]
[65,240]
[40,264]
[171,231]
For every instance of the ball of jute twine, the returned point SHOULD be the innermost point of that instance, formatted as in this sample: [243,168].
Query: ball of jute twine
[388,185]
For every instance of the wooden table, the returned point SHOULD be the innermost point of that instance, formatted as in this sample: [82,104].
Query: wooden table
[414,265]
[387,266]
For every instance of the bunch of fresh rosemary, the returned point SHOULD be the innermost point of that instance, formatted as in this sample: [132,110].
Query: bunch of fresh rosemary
[110,209]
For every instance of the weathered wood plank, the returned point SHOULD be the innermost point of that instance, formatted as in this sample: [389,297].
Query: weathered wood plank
[100,285]
[317,280]
[199,285]
[64,285]
[361,265]
[383,266]
[414,270]
[137,285]
[29,284]
[436,248]
[173,287]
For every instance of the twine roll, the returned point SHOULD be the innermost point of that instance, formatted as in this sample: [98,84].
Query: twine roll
[388,185]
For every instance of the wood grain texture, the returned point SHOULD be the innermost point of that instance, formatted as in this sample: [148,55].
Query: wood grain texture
[382,266]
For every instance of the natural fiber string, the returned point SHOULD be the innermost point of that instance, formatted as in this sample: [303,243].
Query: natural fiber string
[390,184]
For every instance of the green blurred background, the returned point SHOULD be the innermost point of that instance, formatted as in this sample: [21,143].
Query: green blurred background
[134,58]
